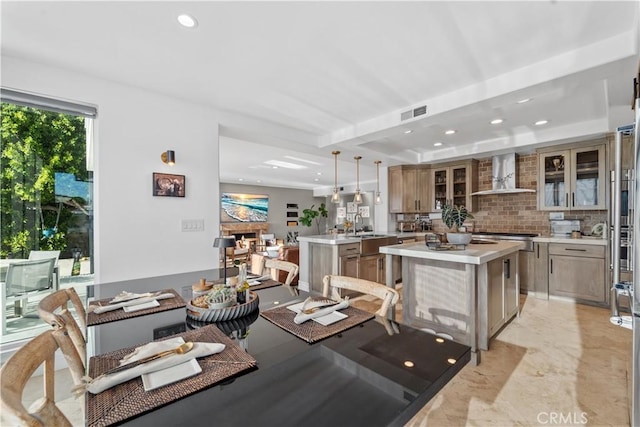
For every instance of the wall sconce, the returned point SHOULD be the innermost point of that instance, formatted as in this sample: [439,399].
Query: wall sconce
[378,200]
[224,243]
[335,197]
[357,199]
[169,157]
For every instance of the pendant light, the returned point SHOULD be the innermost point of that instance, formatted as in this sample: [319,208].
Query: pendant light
[335,198]
[378,196]
[357,199]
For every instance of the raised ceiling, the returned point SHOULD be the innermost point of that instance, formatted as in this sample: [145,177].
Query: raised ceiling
[296,80]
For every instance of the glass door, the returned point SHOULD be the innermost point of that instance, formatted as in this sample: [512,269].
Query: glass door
[439,188]
[459,186]
[588,178]
[554,171]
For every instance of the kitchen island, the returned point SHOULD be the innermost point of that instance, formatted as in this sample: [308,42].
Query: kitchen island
[467,293]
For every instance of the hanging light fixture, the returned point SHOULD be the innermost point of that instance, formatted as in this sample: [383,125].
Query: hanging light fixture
[335,198]
[357,199]
[378,196]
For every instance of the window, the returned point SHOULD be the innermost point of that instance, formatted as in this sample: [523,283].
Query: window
[46,194]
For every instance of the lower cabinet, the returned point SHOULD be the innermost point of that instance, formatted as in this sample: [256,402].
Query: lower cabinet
[372,268]
[502,291]
[578,271]
[541,270]
[526,269]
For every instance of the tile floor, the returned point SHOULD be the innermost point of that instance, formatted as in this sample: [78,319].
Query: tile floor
[558,359]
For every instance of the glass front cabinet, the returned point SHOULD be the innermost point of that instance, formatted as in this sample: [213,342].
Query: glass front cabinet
[453,184]
[572,179]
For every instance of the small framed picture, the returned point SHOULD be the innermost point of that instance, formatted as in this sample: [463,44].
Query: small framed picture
[292,223]
[292,206]
[168,185]
[352,207]
[363,211]
[292,214]
[341,212]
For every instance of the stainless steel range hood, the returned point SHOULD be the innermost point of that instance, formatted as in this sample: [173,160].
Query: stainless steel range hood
[504,176]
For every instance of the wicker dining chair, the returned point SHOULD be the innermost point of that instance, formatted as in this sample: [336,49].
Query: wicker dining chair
[55,310]
[389,296]
[15,374]
[276,265]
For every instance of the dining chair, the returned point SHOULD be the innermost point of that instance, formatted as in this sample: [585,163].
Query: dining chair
[35,255]
[389,296]
[15,374]
[25,279]
[257,264]
[277,265]
[55,310]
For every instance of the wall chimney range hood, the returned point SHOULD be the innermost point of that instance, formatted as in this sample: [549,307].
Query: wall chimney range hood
[504,176]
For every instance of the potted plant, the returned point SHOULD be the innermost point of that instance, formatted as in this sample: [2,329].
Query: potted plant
[454,217]
[310,214]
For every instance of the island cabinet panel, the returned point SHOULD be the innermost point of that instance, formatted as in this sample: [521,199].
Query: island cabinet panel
[409,189]
[502,292]
[326,260]
[526,269]
[541,270]
[372,267]
[578,272]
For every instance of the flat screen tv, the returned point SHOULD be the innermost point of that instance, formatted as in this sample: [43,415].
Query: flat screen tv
[237,207]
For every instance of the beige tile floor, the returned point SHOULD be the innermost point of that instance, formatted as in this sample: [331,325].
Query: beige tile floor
[559,363]
[557,359]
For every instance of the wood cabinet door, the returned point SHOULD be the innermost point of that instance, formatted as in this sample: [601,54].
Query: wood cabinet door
[395,189]
[409,185]
[541,270]
[526,271]
[495,296]
[511,295]
[369,268]
[349,265]
[577,277]
[423,189]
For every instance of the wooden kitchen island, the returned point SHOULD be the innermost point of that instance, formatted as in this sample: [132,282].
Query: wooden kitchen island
[467,293]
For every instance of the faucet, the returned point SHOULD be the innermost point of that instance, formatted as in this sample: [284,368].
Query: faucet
[355,223]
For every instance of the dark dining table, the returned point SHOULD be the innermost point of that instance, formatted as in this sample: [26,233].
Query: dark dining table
[377,373]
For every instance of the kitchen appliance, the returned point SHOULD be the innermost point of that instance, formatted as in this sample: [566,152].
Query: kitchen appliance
[625,249]
[504,176]
[405,225]
[564,228]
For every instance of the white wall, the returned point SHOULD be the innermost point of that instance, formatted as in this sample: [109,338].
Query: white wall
[137,235]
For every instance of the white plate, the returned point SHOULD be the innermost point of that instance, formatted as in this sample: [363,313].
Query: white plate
[144,305]
[170,375]
[327,319]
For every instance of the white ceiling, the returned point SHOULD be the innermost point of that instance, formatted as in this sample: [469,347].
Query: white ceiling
[296,80]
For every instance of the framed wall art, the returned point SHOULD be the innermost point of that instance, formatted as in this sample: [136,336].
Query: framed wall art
[168,185]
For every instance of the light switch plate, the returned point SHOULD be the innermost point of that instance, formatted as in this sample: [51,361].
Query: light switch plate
[192,225]
[556,215]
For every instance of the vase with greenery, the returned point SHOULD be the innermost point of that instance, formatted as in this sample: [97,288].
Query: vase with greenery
[454,217]
[311,214]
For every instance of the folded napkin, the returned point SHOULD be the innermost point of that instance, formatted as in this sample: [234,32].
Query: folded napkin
[126,296]
[254,283]
[301,317]
[102,309]
[200,349]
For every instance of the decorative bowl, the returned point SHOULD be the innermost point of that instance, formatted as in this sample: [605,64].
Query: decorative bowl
[459,238]
[225,313]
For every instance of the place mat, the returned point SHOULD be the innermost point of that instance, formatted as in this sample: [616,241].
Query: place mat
[311,331]
[129,399]
[270,283]
[113,316]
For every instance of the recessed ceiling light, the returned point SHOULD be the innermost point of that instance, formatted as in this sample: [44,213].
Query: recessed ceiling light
[496,121]
[408,131]
[274,167]
[542,122]
[437,144]
[318,173]
[259,181]
[316,180]
[187,21]
[450,132]
[240,179]
[522,101]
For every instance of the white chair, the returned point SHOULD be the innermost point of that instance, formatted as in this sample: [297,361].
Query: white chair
[25,280]
[55,310]
[277,265]
[15,374]
[35,255]
[389,296]
[257,264]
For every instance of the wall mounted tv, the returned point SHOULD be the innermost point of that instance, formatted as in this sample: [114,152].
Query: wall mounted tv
[237,207]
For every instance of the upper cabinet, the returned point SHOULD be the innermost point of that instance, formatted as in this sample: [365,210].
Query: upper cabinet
[572,179]
[453,184]
[409,189]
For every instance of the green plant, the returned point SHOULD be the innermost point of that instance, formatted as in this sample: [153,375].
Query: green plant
[311,214]
[455,216]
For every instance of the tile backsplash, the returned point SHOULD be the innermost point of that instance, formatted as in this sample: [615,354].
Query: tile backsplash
[518,212]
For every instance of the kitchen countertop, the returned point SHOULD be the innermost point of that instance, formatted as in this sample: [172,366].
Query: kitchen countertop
[472,254]
[339,239]
[583,241]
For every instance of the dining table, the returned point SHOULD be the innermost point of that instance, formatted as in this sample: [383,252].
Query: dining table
[363,370]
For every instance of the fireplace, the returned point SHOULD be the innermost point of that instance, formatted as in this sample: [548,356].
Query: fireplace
[252,231]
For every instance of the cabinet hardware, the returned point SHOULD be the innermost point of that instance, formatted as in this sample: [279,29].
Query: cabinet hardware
[351,249]
[566,200]
[538,247]
[575,250]
[551,266]
[573,199]
[507,271]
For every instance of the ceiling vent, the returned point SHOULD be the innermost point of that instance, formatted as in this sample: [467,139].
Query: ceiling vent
[418,111]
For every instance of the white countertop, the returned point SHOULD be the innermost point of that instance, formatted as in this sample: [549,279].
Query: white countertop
[472,254]
[583,241]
